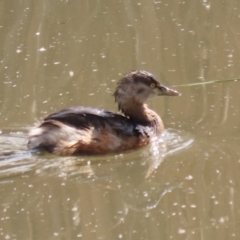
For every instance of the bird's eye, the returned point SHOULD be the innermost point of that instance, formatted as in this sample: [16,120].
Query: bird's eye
[152,85]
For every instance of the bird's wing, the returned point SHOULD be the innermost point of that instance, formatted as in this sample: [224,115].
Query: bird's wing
[85,118]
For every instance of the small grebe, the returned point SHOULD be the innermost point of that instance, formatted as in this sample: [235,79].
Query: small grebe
[86,131]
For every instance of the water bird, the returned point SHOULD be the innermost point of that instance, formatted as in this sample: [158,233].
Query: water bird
[89,131]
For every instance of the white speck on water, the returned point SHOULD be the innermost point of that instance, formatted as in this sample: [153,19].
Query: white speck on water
[37,33]
[74,209]
[71,73]
[181,231]
[221,220]
[207,6]
[18,51]
[147,214]
[42,49]
[145,194]
[56,63]
[189,177]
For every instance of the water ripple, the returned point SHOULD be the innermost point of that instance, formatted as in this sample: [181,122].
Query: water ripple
[15,159]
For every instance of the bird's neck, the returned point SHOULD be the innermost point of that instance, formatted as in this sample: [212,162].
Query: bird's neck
[141,114]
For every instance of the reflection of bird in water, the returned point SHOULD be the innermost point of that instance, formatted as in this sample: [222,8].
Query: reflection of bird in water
[85,131]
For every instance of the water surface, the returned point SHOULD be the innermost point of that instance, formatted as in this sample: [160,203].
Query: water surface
[65,53]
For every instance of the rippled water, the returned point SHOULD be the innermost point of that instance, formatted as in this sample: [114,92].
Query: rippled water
[130,175]
[16,159]
[57,54]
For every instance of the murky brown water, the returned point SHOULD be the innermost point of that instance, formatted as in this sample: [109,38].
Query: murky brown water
[56,54]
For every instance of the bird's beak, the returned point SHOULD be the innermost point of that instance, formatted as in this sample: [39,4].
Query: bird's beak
[165,91]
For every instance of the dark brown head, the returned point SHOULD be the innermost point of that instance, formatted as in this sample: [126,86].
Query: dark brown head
[138,86]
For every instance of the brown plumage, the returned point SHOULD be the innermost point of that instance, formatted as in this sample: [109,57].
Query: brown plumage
[86,131]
